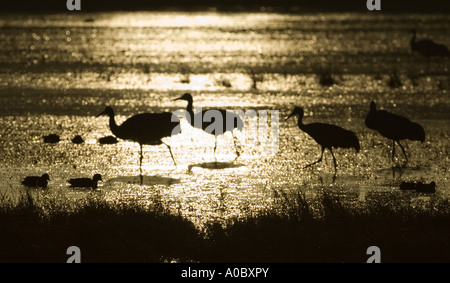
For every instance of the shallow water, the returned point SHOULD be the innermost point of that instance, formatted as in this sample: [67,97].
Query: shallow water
[58,71]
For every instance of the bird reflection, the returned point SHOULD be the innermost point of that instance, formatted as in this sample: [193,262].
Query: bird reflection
[214,165]
[145,180]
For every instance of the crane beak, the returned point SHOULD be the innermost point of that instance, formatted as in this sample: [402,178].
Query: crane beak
[179,98]
[292,114]
[103,113]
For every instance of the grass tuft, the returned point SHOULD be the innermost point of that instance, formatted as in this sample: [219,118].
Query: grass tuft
[296,228]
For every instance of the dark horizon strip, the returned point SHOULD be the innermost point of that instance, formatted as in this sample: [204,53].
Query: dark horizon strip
[398,6]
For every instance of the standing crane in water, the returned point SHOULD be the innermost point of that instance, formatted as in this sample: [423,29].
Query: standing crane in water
[394,127]
[427,47]
[145,129]
[327,136]
[206,120]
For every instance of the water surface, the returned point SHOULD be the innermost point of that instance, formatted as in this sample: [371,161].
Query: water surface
[58,71]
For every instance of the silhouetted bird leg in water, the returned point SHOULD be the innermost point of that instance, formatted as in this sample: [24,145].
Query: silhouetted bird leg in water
[215,147]
[334,161]
[235,146]
[404,152]
[170,150]
[395,170]
[319,160]
[141,157]
[393,150]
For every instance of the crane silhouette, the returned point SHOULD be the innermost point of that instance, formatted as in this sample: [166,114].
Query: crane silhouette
[206,120]
[427,47]
[145,129]
[394,127]
[85,182]
[326,135]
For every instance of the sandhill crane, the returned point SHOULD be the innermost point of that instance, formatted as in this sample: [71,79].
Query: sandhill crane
[145,129]
[427,47]
[394,127]
[206,120]
[327,135]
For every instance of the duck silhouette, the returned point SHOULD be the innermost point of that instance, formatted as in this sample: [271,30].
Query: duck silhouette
[108,140]
[53,138]
[77,139]
[36,181]
[85,182]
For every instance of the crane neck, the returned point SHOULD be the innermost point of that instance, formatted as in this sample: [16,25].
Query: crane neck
[113,125]
[300,122]
[189,107]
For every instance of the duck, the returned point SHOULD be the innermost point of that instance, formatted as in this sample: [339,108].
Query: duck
[85,182]
[36,181]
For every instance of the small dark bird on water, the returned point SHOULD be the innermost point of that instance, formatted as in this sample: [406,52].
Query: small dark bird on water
[145,129]
[419,187]
[77,139]
[85,182]
[394,80]
[427,47]
[108,140]
[394,127]
[53,138]
[206,120]
[327,135]
[36,181]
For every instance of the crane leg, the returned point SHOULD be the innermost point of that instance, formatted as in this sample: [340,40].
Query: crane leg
[215,144]
[141,157]
[170,150]
[393,150]
[319,160]
[334,161]
[235,146]
[403,150]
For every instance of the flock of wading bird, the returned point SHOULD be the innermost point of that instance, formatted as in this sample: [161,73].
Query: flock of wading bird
[151,128]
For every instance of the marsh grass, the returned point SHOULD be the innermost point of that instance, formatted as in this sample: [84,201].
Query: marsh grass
[296,228]
[41,230]
[327,230]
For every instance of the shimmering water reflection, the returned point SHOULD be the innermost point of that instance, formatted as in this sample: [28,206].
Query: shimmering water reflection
[58,71]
